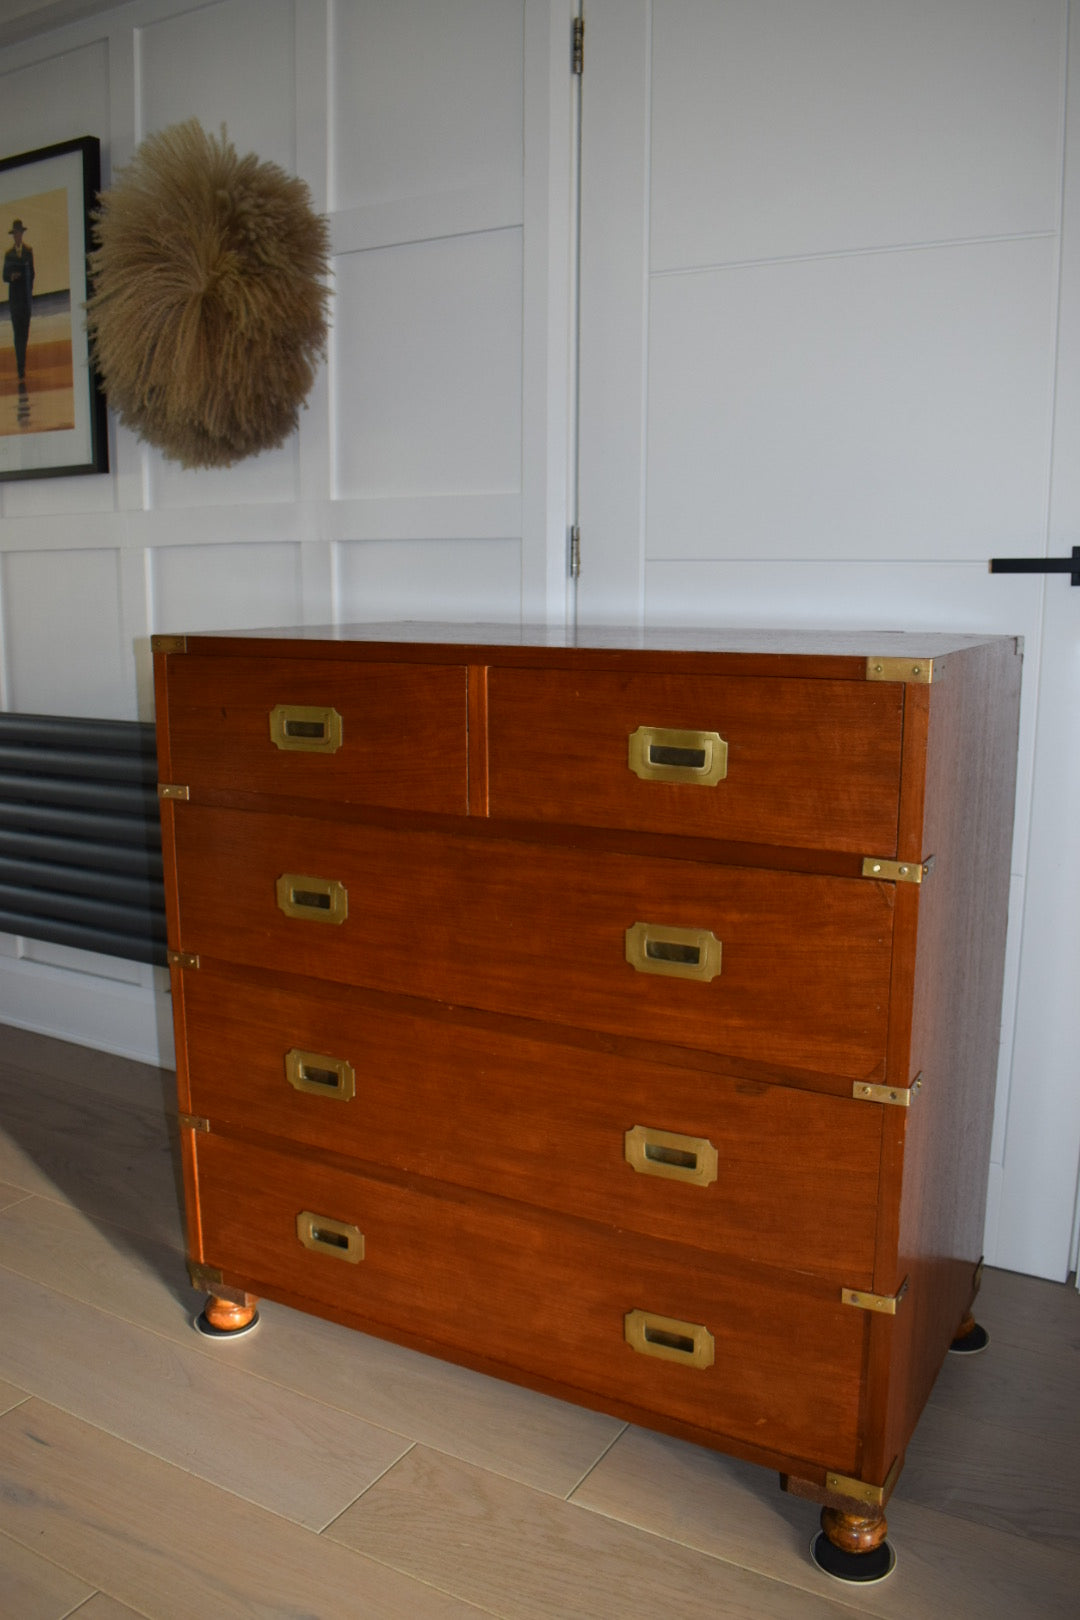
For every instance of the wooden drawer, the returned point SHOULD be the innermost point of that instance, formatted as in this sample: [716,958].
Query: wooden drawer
[540,1122]
[545,1295]
[810,763]
[541,932]
[402,730]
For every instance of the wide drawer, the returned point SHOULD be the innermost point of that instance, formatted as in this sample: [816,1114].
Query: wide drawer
[542,932]
[760,1172]
[546,1295]
[812,763]
[266,725]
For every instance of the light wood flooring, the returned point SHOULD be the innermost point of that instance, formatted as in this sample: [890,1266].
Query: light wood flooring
[311,1473]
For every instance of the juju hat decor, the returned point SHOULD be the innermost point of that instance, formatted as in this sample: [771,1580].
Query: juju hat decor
[207,318]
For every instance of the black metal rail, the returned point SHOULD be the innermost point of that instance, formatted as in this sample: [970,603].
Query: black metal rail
[80,837]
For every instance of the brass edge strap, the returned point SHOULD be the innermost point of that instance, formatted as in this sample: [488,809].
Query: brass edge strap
[173,790]
[912,672]
[183,959]
[883,1304]
[193,1122]
[168,644]
[897,1096]
[858,1491]
[887,871]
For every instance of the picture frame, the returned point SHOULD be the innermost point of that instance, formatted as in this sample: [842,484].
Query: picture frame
[53,417]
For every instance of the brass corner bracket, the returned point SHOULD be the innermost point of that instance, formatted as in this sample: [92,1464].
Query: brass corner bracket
[913,672]
[897,1096]
[883,1304]
[887,871]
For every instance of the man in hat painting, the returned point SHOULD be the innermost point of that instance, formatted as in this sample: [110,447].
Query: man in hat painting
[19,275]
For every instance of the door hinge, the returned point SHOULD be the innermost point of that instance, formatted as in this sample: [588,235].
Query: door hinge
[183,959]
[577,48]
[574,559]
[173,790]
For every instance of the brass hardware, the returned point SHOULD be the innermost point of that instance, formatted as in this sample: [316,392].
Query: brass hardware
[658,754]
[663,1153]
[914,672]
[899,1096]
[325,1236]
[884,1304]
[668,1339]
[173,790]
[684,953]
[168,644]
[306,730]
[182,959]
[858,1491]
[312,899]
[320,1076]
[204,1278]
[574,561]
[193,1122]
[896,871]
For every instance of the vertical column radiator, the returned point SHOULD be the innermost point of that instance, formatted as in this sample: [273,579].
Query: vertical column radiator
[80,836]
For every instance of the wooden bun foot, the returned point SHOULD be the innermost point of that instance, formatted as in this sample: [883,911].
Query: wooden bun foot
[227,1318]
[971,1337]
[852,1546]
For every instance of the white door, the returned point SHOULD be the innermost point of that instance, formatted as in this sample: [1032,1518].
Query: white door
[830,366]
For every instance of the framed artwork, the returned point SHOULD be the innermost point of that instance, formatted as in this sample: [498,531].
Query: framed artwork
[52,412]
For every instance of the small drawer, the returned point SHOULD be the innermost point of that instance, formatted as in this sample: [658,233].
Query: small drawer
[391,735]
[543,932]
[802,763]
[553,1298]
[763,1173]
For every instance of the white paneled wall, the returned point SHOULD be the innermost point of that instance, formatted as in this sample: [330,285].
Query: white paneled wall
[436,135]
[829,369]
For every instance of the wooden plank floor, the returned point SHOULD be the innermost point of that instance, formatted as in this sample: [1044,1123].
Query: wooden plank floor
[310,1473]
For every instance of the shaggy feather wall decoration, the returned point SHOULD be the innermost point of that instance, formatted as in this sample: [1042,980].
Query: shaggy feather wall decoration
[207,318]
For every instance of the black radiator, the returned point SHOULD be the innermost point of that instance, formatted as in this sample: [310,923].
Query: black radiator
[80,837]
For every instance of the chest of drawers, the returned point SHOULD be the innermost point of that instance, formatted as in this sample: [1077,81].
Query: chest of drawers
[619,1017]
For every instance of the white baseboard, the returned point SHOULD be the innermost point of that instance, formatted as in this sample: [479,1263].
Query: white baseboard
[82,997]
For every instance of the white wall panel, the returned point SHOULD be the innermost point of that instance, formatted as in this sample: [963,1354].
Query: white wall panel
[862,406]
[457,580]
[230,63]
[225,587]
[427,368]
[821,125]
[56,99]
[272,476]
[426,98]
[65,651]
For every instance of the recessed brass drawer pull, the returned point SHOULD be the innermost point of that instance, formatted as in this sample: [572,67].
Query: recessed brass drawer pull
[320,1076]
[312,899]
[663,1153]
[306,730]
[658,754]
[668,1339]
[684,953]
[325,1236]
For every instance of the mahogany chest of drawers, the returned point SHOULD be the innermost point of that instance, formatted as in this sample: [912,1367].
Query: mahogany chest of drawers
[620,1017]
